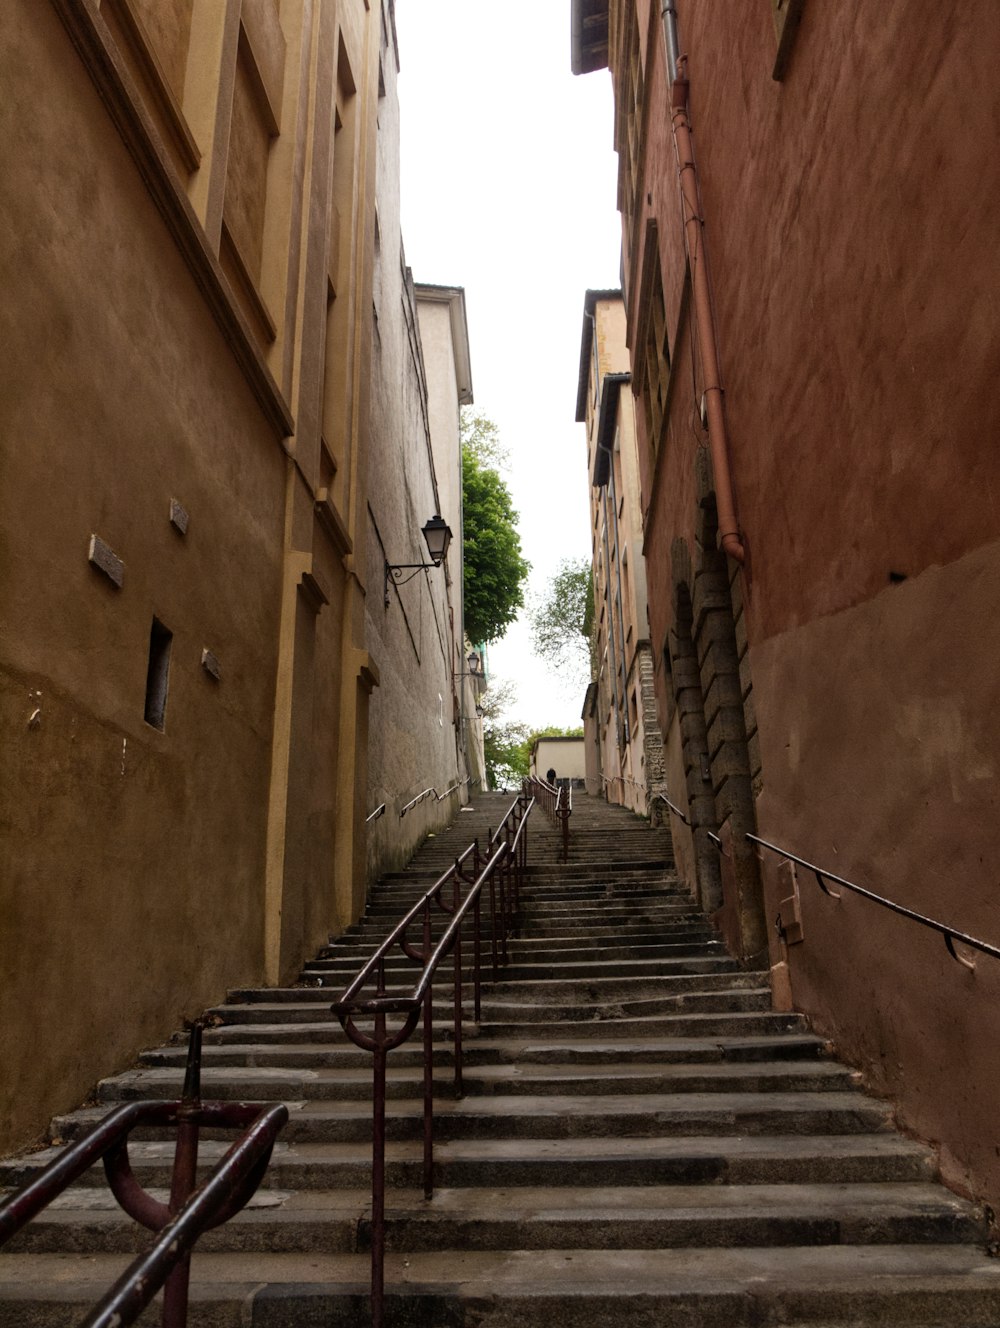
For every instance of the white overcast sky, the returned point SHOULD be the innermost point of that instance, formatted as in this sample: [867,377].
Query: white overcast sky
[508,189]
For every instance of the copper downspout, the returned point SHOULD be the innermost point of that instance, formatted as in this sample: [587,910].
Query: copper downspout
[694,240]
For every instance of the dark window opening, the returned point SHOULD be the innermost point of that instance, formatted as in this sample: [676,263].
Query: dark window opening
[157,674]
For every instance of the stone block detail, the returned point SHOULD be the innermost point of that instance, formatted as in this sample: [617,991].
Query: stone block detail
[728,761]
[724,691]
[726,726]
[104,558]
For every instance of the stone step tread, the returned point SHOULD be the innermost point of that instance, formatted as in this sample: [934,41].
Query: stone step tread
[737,1159]
[805,1076]
[352,1064]
[610,1217]
[887,1284]
[718,1020]
[744,1048]
[318,1012]
[579,991]
[722,1107]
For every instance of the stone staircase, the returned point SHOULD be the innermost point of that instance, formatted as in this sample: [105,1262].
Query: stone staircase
[643,1141]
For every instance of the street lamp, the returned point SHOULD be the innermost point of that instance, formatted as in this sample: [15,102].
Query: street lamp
[475,669]
[437,534]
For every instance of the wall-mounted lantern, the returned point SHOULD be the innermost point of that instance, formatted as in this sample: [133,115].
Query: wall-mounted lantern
[475,669]
[437,534]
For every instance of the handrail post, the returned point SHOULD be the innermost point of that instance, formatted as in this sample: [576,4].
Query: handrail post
[378,1173]
[477,957]
[428,1064]
[183,1177]
[503,913]
[457,896]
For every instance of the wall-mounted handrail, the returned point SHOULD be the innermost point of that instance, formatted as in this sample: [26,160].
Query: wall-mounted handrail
[623,779]
[673,807]
[950,934]
[430,793]
[426,793]
[379,811]
[501,869]
[557,803]
[189,1213]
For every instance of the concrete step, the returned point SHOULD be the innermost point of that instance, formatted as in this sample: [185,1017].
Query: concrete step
[610,1217]
[320,1114]
[555,994]
[794,1050]
[674,1160]
[749,1287]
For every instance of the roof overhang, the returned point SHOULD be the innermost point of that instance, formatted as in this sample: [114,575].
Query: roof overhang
[589,35]
[586,346]
[454,298]
[610,392]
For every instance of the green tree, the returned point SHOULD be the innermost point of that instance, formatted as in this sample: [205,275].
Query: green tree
[503,738]
[482,437]
[495,570]
[562,619]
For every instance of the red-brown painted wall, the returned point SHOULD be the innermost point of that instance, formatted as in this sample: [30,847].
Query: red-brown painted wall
[851,228]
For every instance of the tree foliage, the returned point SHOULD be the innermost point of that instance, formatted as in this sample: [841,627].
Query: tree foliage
[495,570]
[503,738]
[482,437]
[562,619]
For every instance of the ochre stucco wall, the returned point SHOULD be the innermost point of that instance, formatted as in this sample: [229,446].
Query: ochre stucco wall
[132,860]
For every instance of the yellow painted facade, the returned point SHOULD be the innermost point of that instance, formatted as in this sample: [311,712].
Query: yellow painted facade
[189,239]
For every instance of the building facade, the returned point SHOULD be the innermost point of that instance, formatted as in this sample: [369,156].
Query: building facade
[423,733]
[813,339]
[620,711]
[192,216]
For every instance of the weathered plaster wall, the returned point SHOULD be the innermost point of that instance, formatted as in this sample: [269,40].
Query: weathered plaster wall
[126,852]
[183,259]
[411,743]
[856,320]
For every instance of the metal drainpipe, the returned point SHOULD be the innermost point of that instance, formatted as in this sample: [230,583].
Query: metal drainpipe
[694,240]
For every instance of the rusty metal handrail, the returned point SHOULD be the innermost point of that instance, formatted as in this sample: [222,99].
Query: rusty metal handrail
[501,869]
[189,1213]
[950,934]
[674,808]
[556,802]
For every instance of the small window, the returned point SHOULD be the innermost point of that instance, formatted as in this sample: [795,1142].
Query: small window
[157,674]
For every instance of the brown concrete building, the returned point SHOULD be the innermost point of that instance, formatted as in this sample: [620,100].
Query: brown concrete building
[817,431]
[191,219]
[620,710]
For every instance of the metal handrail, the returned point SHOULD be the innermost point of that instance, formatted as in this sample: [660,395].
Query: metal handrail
[623,779]
[189,1213]
[674,808]
[556,802]
[427,793]
[950,934]
[501,869]
[379,811]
